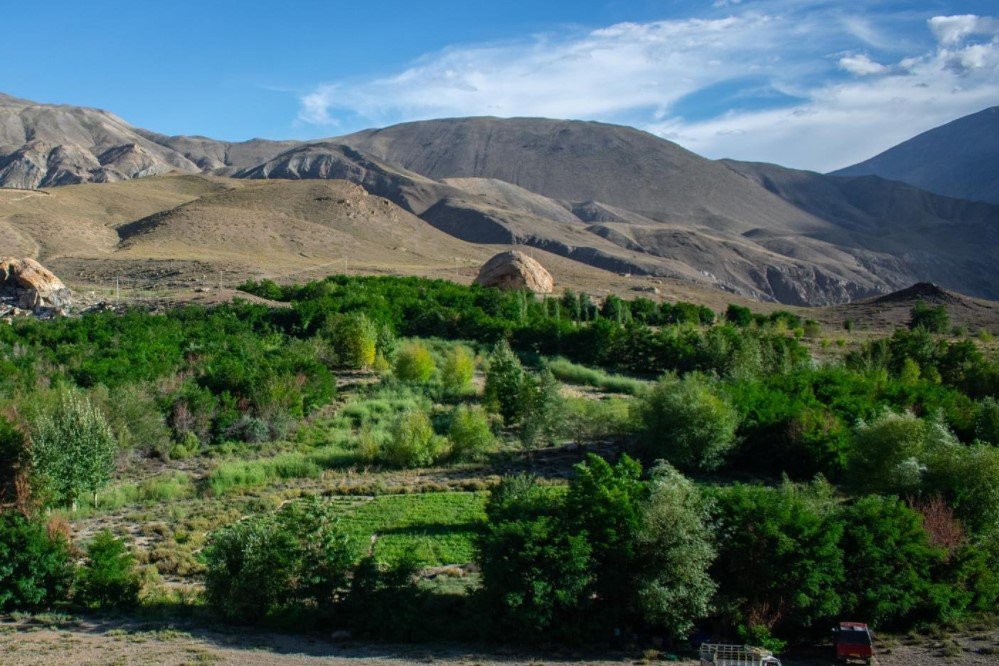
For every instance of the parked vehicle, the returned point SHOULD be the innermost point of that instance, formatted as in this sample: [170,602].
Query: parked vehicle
[714,654]
[853,641]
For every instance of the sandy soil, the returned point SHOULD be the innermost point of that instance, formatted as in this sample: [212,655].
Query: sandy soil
[62,640]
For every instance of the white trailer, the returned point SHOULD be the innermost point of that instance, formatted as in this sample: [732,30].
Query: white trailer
[714,654]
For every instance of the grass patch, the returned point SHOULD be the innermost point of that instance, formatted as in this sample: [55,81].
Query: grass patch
[162,488]
[438,527]
[233,475]
[573,373]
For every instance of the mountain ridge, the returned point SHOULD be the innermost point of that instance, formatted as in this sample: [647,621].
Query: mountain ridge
[610,196]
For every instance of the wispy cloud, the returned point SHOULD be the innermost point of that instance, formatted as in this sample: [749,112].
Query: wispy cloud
[836,103]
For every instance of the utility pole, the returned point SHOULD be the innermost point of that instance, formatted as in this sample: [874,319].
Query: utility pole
[117,287]
[220,280]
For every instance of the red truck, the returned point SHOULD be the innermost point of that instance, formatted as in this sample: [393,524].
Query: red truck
[853,641]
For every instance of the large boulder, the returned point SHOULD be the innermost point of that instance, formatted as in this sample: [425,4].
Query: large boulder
[26,284]
[516,270]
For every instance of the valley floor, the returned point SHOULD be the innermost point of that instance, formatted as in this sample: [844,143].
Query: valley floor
[48,639]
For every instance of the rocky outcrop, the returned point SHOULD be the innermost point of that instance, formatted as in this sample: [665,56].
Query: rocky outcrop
[26,285]
[516,270]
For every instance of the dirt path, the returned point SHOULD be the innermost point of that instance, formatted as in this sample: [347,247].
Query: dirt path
[67,640]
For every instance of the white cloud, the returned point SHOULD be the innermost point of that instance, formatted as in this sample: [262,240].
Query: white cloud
[953,29]
[636,73]
[861,65]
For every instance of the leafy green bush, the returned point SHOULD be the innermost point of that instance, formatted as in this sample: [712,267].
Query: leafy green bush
[108,578]
[36,567]
[73,450]
[987,421]
[458,371]
[686,422]
[353,338]
[470,434]
[291,560]
[588,419]
[414,442]
[414,363]
[932,319]
[13,459]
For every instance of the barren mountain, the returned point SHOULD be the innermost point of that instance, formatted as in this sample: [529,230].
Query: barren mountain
[606,196]
[49,144]
[959,159]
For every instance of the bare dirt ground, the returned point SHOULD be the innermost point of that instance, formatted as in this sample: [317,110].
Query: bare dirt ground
[70,640]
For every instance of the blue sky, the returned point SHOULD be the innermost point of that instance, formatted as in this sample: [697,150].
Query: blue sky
[807,83]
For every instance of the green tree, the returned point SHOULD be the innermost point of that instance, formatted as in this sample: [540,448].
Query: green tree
[738,315]
[414,363]
[674,550]
[544,411]
[888,559]
[413,442]
[458,370]
[889,453]
[504,383]
[469,432]
[73,450]
[779,566]
[604,503]
[108,578]
[353,338]
[535,572]
[987,421]
[686,422]
[933,319]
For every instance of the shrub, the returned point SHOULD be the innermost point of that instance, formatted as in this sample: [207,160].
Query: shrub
[987,421]
[458,371]
[932,319]
[353,338]
[738,315]
[108,578]
[36,567]
[249,429]
[414,363]
[135,418]
[385,601]
[889,561]
[674,550]
[544,410]
[73,450]
[589,419]
[504,382]
[686,422]
[293,559]
[470,435]
[413,442]
[13,458]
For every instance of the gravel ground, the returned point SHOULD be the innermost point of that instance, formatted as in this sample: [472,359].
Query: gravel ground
[61,640]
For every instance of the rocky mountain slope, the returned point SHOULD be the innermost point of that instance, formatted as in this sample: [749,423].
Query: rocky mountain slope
[607,196]
[959,159]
